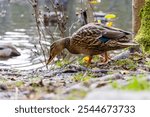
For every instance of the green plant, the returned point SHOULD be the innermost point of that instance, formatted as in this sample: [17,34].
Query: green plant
[127,64]
[115,85]
[147,63]
[19,83]
[76,94]
[82,77]
[137,83]
[60,63]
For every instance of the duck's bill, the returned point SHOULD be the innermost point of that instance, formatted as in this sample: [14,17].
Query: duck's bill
[49,60]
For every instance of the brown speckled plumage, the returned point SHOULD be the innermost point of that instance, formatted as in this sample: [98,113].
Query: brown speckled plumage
[86,40]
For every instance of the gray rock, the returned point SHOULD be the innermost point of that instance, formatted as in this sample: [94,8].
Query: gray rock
[99,94]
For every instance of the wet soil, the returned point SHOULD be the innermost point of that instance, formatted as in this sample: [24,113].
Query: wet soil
[74,81]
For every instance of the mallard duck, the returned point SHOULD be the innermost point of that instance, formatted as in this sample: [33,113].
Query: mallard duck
[8,51]
[92,39]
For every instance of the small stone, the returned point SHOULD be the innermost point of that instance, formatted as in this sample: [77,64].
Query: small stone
[115,76]
[3,87]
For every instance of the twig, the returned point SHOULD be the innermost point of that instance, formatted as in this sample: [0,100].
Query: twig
[72,26]
[34,4]
[58,20]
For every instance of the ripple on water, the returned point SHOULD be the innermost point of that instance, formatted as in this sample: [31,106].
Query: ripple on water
[25,45]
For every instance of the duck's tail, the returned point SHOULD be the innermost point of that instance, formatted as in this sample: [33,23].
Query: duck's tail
[124,45]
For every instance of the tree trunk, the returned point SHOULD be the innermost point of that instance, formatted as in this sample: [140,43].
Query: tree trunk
[136,20]
[143,35]
[90,9]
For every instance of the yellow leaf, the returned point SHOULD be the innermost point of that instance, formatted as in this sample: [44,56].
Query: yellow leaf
[99,21]
[109,24]
[110,16]
[95,1]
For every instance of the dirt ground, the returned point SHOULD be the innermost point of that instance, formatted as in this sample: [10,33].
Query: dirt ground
[119,79]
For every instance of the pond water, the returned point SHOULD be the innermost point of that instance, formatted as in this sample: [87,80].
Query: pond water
[17,26]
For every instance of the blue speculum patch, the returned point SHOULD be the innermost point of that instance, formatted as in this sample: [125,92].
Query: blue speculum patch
[103,39]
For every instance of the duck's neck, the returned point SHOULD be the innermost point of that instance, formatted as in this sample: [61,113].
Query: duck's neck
[66,42]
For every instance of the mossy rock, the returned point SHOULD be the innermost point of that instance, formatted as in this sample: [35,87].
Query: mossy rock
[143,36]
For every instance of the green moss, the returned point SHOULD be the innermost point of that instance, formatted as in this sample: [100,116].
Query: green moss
[61,63]
[143,36]
[147,63]
[96,58]
[138,83]
[110,72]
[82,77]
[80,61]
[19,83]
[76,94]
[3,80]
[127,63]
[115,85]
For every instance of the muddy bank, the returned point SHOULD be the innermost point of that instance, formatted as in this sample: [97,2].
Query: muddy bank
[122,79]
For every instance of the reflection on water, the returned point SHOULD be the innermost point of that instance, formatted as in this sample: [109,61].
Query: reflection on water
[21,39]
[17,26]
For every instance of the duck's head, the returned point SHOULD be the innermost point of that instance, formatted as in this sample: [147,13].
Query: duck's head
[55,49]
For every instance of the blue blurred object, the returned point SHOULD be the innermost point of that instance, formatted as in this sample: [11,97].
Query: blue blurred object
[100,16]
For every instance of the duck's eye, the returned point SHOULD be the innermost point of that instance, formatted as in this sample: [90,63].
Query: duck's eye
[50,57]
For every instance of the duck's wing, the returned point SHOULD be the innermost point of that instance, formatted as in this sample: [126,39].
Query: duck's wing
[113,34]
[88,30]
[114,29]
[97,38]
[87,36]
